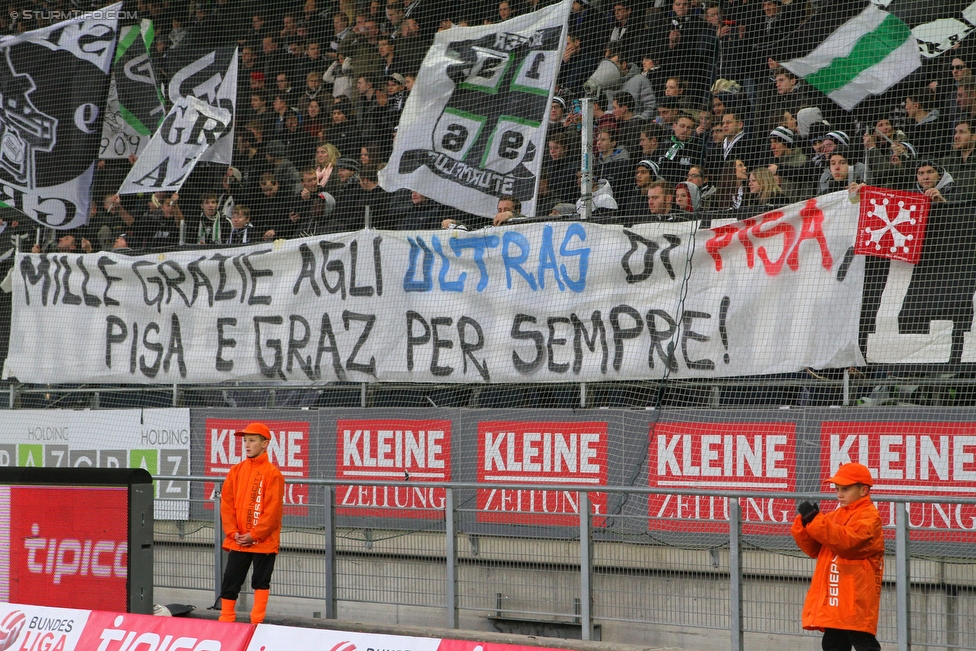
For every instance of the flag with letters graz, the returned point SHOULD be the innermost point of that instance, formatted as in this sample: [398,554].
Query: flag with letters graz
[199,126]
[135,104]
[849,50]
[53,82]
[474,126]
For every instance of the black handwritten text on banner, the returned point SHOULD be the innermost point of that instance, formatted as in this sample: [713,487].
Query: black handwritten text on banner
[545,302]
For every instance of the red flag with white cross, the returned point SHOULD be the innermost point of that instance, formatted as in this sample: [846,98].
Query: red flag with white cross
[892,224]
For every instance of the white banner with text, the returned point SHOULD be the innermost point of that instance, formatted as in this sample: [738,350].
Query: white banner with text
[546,302]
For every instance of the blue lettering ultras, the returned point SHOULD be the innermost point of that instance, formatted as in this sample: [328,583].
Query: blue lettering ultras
[410,282]
[479,244]
[575,230]
[547,260]
[445,284]
[522,242]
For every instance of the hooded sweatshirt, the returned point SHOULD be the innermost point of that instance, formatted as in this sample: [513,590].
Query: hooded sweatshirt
[944,186]
[828,184]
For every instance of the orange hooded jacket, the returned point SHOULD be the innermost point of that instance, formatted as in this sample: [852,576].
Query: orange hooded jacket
[250,501]
[845,592]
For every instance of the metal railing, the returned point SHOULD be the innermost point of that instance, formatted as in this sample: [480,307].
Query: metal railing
[847,387]
[338,551]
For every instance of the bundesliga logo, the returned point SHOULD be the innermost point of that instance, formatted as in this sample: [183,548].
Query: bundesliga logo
[10,629]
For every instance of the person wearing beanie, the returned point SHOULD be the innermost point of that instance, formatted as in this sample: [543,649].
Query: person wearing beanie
[932,180]
[837,175]
[848,543]
[890,157]
[824,144]
[633,201]
[251,501]
[791,165]
[557,116]
[342,133]
[839,138]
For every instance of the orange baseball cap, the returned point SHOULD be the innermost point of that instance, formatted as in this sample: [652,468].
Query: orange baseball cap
[850,474]
[255,428]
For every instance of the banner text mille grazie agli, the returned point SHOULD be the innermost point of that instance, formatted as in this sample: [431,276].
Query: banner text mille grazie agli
[546,302]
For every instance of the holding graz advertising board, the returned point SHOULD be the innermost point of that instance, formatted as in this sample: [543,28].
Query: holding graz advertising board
[157,440]
[557,302]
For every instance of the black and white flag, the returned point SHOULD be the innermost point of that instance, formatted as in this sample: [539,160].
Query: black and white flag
[188,133]
[199,127]
[474,126]
[936,26]
[53,82]
[135,106]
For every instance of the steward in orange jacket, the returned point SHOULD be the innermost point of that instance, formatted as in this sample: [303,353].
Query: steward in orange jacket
[250,509]
[845,592]
[250,502]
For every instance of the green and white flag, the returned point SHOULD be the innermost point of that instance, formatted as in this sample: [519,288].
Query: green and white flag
[851,51]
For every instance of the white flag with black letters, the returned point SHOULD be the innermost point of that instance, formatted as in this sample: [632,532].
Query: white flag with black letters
[53,82]
[199,127]
[188,133]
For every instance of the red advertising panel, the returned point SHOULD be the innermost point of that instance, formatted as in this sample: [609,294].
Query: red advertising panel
[392,450]
[721,456]
[911,458]
[116,632]
[288,450]
[68,545]
[531,452]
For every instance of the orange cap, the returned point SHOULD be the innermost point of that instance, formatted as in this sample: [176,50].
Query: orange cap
[255,428]
[850,474]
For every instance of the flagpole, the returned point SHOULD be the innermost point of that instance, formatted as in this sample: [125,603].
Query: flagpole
[586,160]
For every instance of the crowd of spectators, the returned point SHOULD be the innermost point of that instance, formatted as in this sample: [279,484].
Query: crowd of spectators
[699,119]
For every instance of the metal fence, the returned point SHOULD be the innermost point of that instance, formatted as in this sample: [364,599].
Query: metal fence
[839,387]
[715,570]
